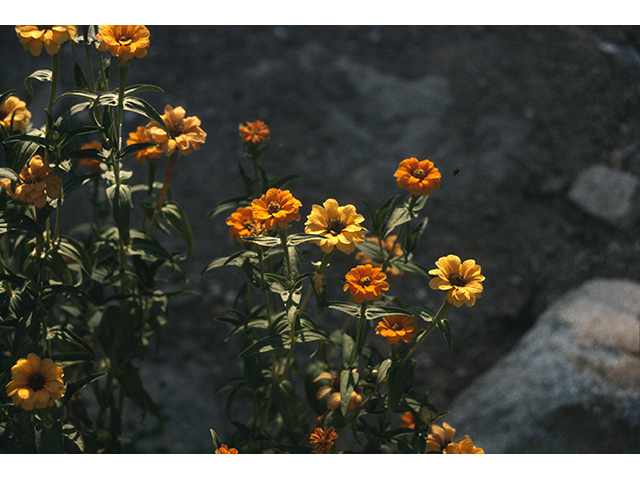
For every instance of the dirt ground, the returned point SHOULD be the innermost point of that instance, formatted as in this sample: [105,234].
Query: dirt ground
[518,111]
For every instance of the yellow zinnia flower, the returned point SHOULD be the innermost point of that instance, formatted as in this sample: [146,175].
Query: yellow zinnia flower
[388,244]
[396,328]
[226,450]
[276,207]
[322,439]
[439,437]
[35,383]
[14,114]
[255,132]
[243,224]
[33,36]
[124,41]
[365,282]
[333,391]
[36,182]
[184,134]
[464,446]
[419,178]
[338,224]
[140,136]
[460,281]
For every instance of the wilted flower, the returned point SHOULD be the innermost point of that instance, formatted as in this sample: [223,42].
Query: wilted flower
[124,41]
[243,224]
[388,244]
[407,420]
[14,114]
[184,134]
[322,439]
[419,178]
[276,207]
[332,389]
[151,154]
[439,437]
[255,132]
[465,446]
[396,328]
[460,281]
[339,225]
[36,182]
[224,449]
[35,383]
[93,164]
[33,36]
[365,282]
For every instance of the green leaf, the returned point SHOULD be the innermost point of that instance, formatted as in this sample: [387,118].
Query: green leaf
[347,348]
[399,378]
[376,312]
[72,249]
[49,437]
[79,384]
[129,378]
[298,238]
[133,149]
[444,326]
[175,216]
[383,372]
[348,382]
[141,88]
[346,307]
[10,221]
[70,433]
[216,441]
[120,199]
[285,400]
[231,203]
[40,75]
[423,312]
[141,107]
[263,241]
[372,250]
[8,173]
[273,342]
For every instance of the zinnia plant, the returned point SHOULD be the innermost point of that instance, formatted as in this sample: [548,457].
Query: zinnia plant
[339,225]
[37,183]
[124,41]
[365,282]
[461,281]
[418,177]
[276,208]
[35,383]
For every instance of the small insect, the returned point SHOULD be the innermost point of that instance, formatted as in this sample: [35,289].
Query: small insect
[456,171]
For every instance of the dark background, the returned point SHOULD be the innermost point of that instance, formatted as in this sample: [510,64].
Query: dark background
[520,111]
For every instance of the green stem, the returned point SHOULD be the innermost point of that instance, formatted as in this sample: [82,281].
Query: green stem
[320,270]
[89,66]
[434,323]
[165,187]
[56,233]
[55,73]
[356,346]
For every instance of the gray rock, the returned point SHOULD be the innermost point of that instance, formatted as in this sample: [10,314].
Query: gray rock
[607,194]
[570,385]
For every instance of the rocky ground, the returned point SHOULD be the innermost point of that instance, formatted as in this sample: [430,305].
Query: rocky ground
[520,112]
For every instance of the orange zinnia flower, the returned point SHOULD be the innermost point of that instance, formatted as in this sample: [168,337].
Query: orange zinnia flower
[464,446]
[33,36]
[419,178]
[339,225]
[14,114]
[460,281]
[276,207]
[243,224]
[365,282]
[255,132]
[333,390]
[184,134]
[36,383]
[36,182]
[94,165]
[140,136]
[388,243]
[439,437]
[226,450]
[323,439]
[407,420]
[396,328]
[124,41]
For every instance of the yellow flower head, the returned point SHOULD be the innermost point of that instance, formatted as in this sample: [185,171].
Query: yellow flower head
[184,134]
[33,36]
[439,437]
[151,154]
[396,328]
[460,281]
[339,225]
[243,224]
[365,282]
[464,446]
[255,132]
[331,392]
[226,450]
[276,207]
[322,439]
[388,244]
[407,420]
[14,114]
[36,182]
[35,383]
[93,164]
[419,178]
[124,41]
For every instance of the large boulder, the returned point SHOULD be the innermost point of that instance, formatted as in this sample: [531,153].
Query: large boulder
[570,385]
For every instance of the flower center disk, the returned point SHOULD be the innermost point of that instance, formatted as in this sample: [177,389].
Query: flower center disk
[335,226]
[457,280]
[273,207]
[36,382]
[419,173]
